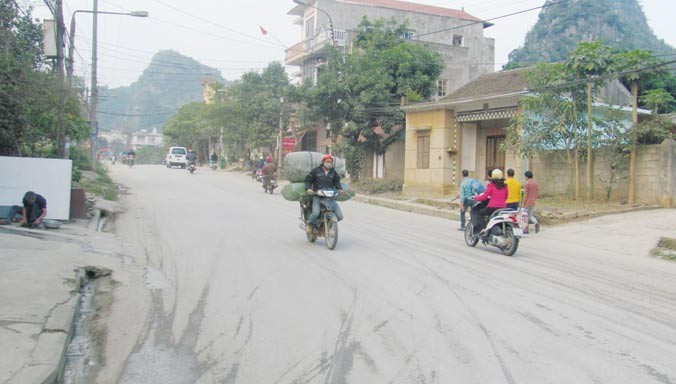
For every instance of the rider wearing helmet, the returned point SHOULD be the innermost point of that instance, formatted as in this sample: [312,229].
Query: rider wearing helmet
[496,194]
[268,169]
[322,177]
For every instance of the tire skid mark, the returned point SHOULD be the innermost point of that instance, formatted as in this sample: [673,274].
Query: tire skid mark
[343,352]
[503,365]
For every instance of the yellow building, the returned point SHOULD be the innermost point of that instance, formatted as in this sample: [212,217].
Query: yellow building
[464,130]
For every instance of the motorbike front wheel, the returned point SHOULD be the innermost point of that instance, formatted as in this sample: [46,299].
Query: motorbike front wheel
[330,233]
[513,241]
[470,238]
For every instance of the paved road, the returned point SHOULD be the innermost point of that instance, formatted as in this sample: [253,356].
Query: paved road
[233,293]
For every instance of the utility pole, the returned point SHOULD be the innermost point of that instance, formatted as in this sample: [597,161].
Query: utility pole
[281,132]
[60,33]
[94,98]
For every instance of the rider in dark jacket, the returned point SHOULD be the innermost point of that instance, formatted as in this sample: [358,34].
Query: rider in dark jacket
[322,177]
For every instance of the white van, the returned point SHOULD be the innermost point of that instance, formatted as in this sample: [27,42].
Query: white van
[176,157]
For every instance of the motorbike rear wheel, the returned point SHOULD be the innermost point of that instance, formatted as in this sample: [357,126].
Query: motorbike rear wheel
[330,233]
[470,238]
[513,241]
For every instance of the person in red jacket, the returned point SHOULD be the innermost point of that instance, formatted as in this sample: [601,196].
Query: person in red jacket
[496,193]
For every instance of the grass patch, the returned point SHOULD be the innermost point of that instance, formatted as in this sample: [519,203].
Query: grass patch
[666,249]
[102,186]
[377,186]
[438,203]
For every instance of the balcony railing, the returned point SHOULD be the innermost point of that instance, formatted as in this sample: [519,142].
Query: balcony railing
[313,44]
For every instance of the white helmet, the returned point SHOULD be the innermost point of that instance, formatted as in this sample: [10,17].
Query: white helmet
[497,174]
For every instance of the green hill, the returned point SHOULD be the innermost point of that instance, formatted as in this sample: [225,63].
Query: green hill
[618,23]
[170,81]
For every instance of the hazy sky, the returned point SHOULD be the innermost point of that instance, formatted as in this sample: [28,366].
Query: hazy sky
[225,34]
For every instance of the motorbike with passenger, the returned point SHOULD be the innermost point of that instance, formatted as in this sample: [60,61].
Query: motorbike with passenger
[502,231]
[500,225]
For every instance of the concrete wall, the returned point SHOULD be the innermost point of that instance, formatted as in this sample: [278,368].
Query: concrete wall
[49,177]
[667,173]
[655,175]
[394,161]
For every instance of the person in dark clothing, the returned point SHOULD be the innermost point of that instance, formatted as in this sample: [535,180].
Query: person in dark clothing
[34,211]
[257,165]
[191,157]
[269,170]
[322,177]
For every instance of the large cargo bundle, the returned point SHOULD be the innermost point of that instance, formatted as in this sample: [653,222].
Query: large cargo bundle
[296,191]
[297,165]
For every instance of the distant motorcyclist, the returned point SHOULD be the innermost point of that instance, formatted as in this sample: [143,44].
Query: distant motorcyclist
[257,166]
[191,157]
[131,156]
[496,194]
[269,168]
[213,160]
[322,177]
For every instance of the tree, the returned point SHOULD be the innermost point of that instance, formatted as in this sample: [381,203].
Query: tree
[360,90]
[589,61]
[260,99]
[634,65]
[549,121]
[181,129]
[30,94]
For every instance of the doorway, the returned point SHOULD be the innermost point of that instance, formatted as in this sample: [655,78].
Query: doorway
[495,153]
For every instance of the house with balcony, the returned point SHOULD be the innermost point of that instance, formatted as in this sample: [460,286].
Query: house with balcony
[455,34]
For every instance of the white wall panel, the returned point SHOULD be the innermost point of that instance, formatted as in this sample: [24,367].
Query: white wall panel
[49,177]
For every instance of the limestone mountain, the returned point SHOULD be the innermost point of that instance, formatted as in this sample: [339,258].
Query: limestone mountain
[617,23]
[170,81]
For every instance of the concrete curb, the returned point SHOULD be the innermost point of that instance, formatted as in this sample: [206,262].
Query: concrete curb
[49,355]
[423,209]
[409,206]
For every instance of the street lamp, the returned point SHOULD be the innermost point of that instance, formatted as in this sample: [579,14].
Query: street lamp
[93,101]
[333,38]
[71,35]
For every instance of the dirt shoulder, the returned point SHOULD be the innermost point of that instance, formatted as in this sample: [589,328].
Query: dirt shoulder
[550,209]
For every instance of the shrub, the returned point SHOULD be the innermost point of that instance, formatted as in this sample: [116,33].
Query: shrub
[80,157]
[376,186]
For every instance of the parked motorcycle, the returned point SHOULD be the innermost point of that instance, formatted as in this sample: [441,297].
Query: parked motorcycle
[270,183]
[327,222]
[502,231]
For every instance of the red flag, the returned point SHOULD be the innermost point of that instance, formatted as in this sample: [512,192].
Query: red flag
[263,31]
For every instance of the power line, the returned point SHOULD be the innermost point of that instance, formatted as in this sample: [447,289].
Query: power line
[136,115]
[491,19]
[210,22]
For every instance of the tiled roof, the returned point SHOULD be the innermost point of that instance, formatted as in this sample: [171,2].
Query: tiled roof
[491,84]
[413,7]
